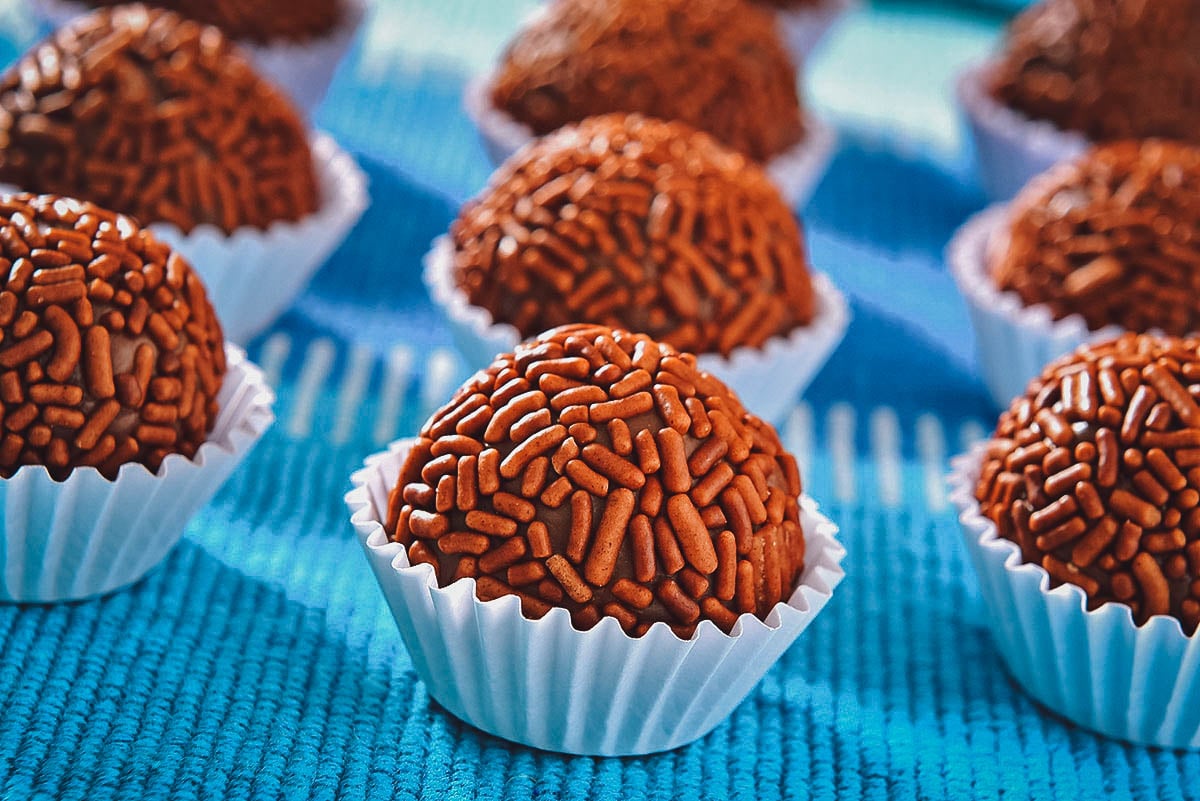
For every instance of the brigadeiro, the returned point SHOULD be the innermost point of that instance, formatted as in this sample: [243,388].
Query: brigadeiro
[123,409]
[653,226]
[594,505]
[1074,72]
[142,111]
[1093,247]
[716,65]
[296,43]
[1082,514]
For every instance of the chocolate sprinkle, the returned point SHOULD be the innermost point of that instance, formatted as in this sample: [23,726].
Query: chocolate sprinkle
[718,65]
[109,349]
[141,111]
[600,471]
[1095,474]
[640,224]
[1113,236]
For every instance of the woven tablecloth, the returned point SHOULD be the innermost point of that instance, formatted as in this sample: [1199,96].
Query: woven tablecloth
[260,661]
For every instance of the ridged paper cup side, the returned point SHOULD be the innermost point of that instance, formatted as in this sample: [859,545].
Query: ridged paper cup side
[545,684]
[768,380]
[254,275]
[1095,668]
[804,27]
[88,535]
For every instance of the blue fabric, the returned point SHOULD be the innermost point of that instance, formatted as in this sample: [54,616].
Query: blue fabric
[260,662]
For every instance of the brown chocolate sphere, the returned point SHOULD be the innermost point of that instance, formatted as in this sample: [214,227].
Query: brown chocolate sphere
[1095,473]
[640,224]
[1113,236]
[152,115]
[718,65]
[261,21]
[109,349]
[600,471]
[1110,69]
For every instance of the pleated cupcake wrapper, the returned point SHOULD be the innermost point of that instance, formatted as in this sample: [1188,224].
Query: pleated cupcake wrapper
[1094,668]
[768,379]
[795,172]
[1010,148]
[87,535]
[303,69]
[544,683]
[254,275]
[803,28]
[1014,341]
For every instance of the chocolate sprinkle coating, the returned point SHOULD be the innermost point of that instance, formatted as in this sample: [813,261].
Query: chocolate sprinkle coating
[110,351]
[141,111]
[640,224]
[600,471]
[1113,236]
[1095,474]
[1111,69]
[260,21]
[718,65]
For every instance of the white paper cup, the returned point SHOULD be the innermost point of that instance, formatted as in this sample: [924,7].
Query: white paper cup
[1014,341]
[254,275]
[1094,668]
[768,379]
[87,535]
[1010,148]
[803,28]
[303,69]
[545,684]
[795,172]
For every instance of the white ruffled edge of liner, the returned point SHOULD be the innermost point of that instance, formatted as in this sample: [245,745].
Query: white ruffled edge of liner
[253,275]
[304,69]
[613,727]
[1010,147]
[795,172]
[767,379]
[46,505]
[803,28]
[1014,341]
[1094,667]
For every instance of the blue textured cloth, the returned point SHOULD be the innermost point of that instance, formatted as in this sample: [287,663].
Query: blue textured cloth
[260,662]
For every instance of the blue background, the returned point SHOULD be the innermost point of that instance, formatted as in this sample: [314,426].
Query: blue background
[260,662]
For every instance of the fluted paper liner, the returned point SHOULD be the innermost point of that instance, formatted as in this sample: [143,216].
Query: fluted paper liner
[795,172]
[1014,341]
[1010,148]
[303,69]
[804,27]
[1094,668]
[544,683]
[254,275]
[767,379]
[87,535]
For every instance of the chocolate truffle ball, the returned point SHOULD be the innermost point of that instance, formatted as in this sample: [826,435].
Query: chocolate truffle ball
[1113,236]
[109,349]
[1110,69]
[260,21]
[718,65]
[639,224]
[600,471]
[1095,474]
[149,114]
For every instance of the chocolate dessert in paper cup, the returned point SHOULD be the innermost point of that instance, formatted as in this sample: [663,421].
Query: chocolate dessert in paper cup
[1080,519]
[1089,249]
[216,160]
[576,59]
[124,409]
[578,591]
[1074,72]
[298,51]
[647,225]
